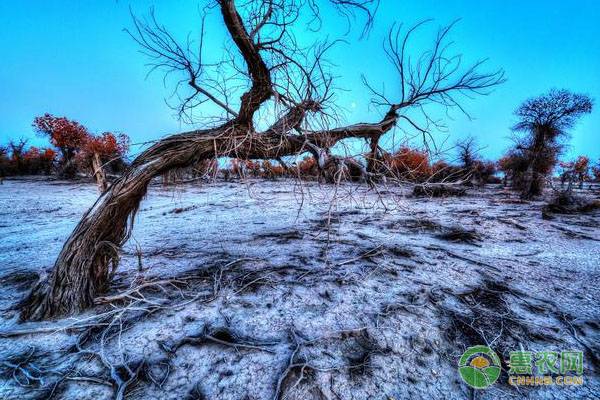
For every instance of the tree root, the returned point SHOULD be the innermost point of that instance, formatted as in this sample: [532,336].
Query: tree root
[439,190]
[222,336]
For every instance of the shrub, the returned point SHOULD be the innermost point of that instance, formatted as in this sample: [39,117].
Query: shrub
[514,166]
[408,164]
[308,167]
[575,171]
[109,147]
[39,161]
[253,168]
[441,171]
[271,171]
[236,167]
[485,171]
[17,159]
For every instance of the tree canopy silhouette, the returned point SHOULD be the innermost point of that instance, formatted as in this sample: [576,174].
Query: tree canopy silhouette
[545,119]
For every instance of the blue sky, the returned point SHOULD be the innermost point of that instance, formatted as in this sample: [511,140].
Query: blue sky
[72,58]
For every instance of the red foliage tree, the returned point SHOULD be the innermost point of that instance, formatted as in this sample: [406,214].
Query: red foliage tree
[39,160]
[271,171]
[17,159]
[79,149]
[577,170]
[102,152]
[237,168]
[566,172]
[505,164]
[48,154]
[485,171]
[66,135]
[109,147]
[581,168]
[32,154]
[267,169]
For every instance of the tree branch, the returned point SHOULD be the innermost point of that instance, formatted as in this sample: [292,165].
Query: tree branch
[261,79]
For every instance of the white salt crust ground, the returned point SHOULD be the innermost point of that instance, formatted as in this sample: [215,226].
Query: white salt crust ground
[282,290]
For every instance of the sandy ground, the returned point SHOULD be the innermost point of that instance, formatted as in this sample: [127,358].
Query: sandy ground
[266,290]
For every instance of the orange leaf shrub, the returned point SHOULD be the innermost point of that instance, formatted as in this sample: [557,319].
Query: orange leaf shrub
[408,164]
[277,171]
[22,161]
[308,167]
[271,171]
[253,168]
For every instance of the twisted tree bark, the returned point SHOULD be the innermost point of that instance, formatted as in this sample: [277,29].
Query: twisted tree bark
[83,267]
[90,256]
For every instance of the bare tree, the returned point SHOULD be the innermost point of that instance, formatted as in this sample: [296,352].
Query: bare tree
[17,151]
[435,77]
[467,154]
[545,120]
[265,68]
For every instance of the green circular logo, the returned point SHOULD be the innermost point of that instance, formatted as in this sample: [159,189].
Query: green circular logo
[479,367]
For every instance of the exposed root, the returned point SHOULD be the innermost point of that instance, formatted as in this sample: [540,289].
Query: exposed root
[439,190]
[136,292]
[222,336]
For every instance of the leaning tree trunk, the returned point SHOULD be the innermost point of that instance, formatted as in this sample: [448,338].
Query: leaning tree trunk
[90,256]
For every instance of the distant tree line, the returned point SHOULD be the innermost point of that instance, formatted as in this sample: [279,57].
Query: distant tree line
[543,123]
[407,164]
[16,158]
[75,151]
[540,133]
